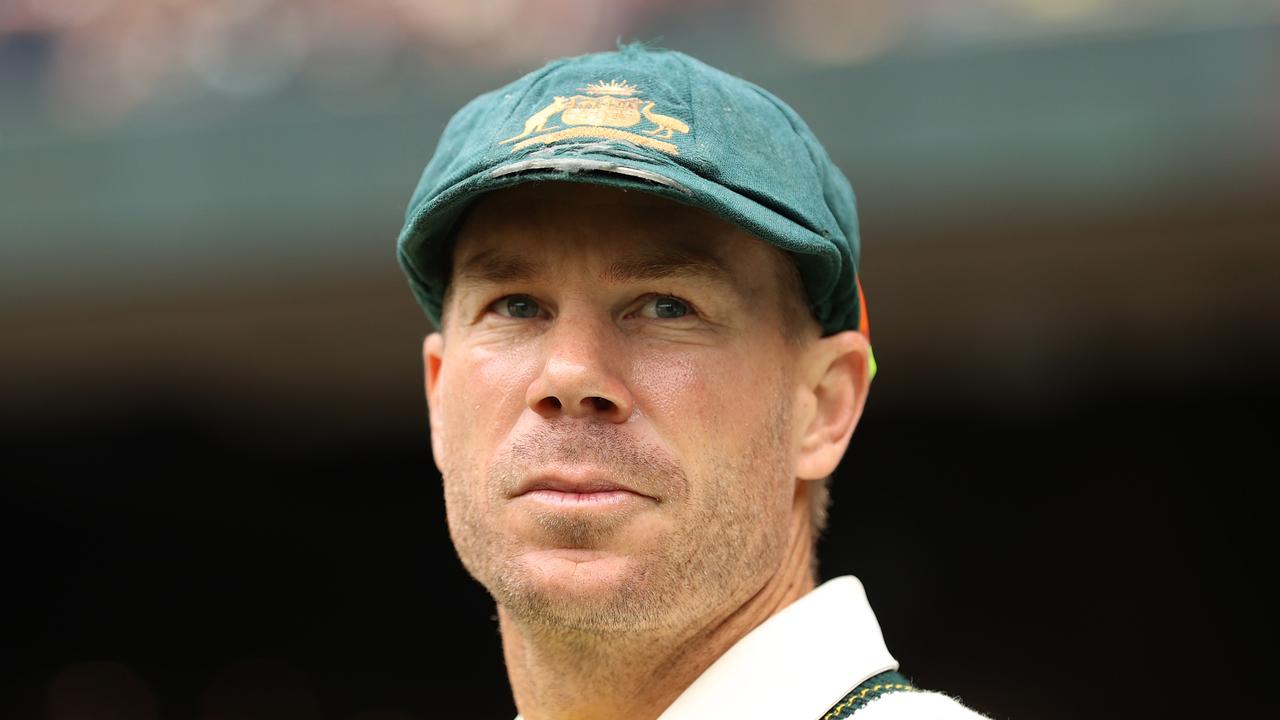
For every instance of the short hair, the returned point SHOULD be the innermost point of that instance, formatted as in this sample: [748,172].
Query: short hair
[800,327]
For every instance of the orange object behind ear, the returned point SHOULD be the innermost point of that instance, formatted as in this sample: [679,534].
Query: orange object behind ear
[864,325]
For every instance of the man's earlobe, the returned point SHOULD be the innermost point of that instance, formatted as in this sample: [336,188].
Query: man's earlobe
[839,380]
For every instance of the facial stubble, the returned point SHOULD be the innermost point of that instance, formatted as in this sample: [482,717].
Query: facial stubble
[728,526]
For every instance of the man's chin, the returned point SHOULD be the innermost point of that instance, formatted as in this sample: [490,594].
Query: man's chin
[588,590]
[577,572]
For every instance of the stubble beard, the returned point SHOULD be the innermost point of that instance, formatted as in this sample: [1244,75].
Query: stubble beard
[720,552]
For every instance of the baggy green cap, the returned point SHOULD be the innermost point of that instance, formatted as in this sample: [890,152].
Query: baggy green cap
[658,121]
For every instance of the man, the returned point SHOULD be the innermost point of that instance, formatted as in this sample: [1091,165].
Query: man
[652,352]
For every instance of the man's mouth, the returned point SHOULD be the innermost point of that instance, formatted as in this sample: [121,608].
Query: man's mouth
[588,484]
[600,498]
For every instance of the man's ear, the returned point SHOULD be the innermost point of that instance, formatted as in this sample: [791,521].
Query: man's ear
[432,362]
[837,376]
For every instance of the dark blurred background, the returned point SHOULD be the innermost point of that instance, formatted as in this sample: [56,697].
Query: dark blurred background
[220,500]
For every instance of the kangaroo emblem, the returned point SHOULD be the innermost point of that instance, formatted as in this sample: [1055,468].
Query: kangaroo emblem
[665,123]
[538,121]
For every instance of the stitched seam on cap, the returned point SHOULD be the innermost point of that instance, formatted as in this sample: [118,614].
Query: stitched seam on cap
[779,106]
[688,101]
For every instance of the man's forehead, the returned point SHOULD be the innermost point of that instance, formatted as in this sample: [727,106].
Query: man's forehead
[495,265]
[515,235]
[579,209]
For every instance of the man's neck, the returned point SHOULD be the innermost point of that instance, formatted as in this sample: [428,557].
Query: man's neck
[555,676]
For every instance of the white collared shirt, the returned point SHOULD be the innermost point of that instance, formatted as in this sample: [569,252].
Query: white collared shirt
[801,661]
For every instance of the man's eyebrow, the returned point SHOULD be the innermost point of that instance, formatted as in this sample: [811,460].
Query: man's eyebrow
[681,262]
[494,267]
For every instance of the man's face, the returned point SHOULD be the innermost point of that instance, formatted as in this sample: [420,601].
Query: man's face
[597,334]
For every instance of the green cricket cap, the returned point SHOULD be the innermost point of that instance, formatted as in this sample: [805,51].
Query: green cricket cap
[658,121]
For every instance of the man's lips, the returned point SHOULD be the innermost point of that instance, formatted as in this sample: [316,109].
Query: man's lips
[582,483]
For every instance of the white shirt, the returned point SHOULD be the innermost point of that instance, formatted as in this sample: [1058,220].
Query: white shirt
[801,661]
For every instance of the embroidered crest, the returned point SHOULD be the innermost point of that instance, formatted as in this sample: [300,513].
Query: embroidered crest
[605,109]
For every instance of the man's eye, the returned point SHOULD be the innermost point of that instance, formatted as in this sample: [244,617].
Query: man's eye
[520,306]
[667,307]
[664,307]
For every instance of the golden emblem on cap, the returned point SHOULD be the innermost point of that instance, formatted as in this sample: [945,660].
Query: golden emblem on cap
[605,108]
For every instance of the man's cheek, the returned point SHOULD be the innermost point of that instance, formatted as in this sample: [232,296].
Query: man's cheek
[673,385]
[501,378]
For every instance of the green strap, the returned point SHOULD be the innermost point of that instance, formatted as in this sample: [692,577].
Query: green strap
[875,686]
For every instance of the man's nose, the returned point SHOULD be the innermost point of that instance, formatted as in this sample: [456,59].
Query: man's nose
[581,372]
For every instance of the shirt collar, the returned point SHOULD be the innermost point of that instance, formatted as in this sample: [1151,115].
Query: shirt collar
[796,664]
